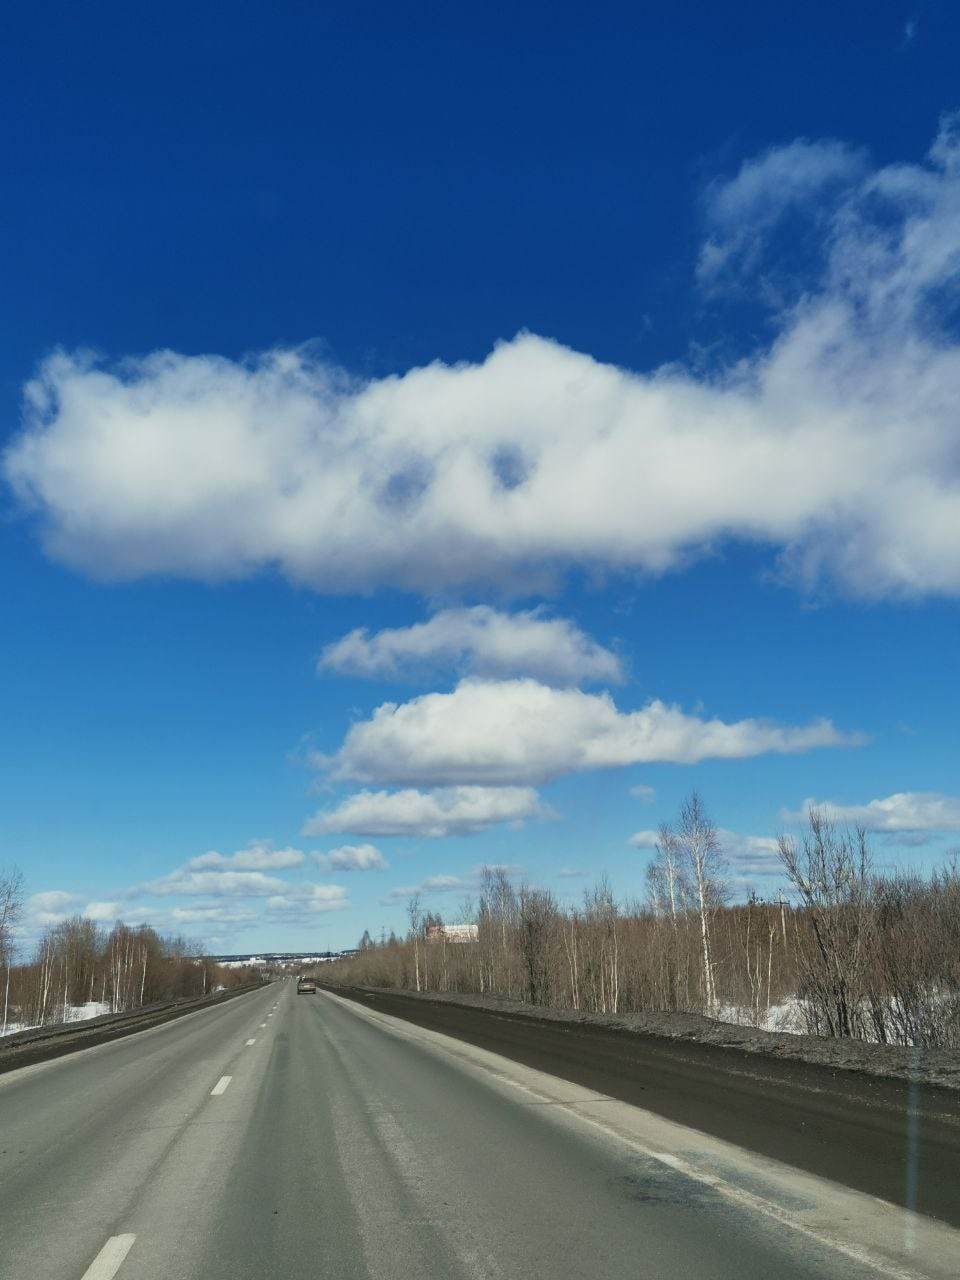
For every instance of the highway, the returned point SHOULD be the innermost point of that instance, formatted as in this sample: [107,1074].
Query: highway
[307,1136]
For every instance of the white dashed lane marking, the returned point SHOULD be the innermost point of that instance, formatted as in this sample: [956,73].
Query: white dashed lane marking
[220,1086]
[252,1041]
[107,1262]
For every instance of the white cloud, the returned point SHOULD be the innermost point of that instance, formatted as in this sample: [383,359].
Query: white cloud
[290,901]
[747,855]
[432,885]
[227,889]
[218,884]
[352,857]
[257,857]
[834,445]
[480,641]
[208,915]
[645,839]
[743,209]
[103,912]
[919,814]
[750,855]
[52,900]
[446,811]
[312,899]
[51,907]
[518,731]
[646,795]
[436,884]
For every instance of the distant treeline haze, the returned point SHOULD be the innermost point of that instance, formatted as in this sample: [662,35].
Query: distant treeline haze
[852,953]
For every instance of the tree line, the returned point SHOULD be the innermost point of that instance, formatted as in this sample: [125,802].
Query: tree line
[845,951]
[77,962]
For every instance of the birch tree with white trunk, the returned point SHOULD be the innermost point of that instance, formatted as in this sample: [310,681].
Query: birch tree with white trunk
[699,847]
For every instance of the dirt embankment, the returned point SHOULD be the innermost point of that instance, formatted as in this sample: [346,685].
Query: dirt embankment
[938,1067]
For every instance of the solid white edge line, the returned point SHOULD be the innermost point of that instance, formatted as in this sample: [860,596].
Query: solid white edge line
[220,1086]
[253,1041]
[108,1261]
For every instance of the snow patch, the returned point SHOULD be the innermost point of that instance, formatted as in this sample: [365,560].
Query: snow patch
[72,1013]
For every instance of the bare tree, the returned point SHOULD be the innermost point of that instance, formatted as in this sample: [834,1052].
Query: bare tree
[874,957]
[601,917]
[699,847]
[665,874]
[11,906]
[536,915]
[497,919]
[830,870]
[669,893]
[415,916]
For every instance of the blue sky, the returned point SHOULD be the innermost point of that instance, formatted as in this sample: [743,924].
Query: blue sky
[600,373]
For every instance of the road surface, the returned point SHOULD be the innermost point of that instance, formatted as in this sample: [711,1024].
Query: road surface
[304,1136]
[898,1140]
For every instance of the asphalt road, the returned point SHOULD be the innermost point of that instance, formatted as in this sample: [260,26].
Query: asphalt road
[898,1140]
[303,1136]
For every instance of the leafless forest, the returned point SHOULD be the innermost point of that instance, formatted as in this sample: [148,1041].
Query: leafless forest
[76,963]
[843,951]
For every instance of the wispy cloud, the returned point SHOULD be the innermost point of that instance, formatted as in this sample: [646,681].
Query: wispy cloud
[744,210]
[352,857]
[219,884]
[918,815]
[751,855]
[104,912]
[308,899]
[445,811]
[430,886]
[256,857]
[747,855]
[479,641]
[646,795]
[52,900]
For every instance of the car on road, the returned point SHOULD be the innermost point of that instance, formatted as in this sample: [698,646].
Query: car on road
[306,986]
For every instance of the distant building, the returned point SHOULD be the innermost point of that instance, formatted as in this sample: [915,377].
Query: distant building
[452,932]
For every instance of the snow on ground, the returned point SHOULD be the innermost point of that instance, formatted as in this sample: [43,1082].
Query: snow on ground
[74,1013]
[81,1012]
[13,1027]
[787,1016]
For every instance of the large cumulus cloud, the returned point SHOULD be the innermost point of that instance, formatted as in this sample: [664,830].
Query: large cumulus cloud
[836,444]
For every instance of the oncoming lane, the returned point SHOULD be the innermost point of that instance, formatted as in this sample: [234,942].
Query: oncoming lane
[83,1136]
